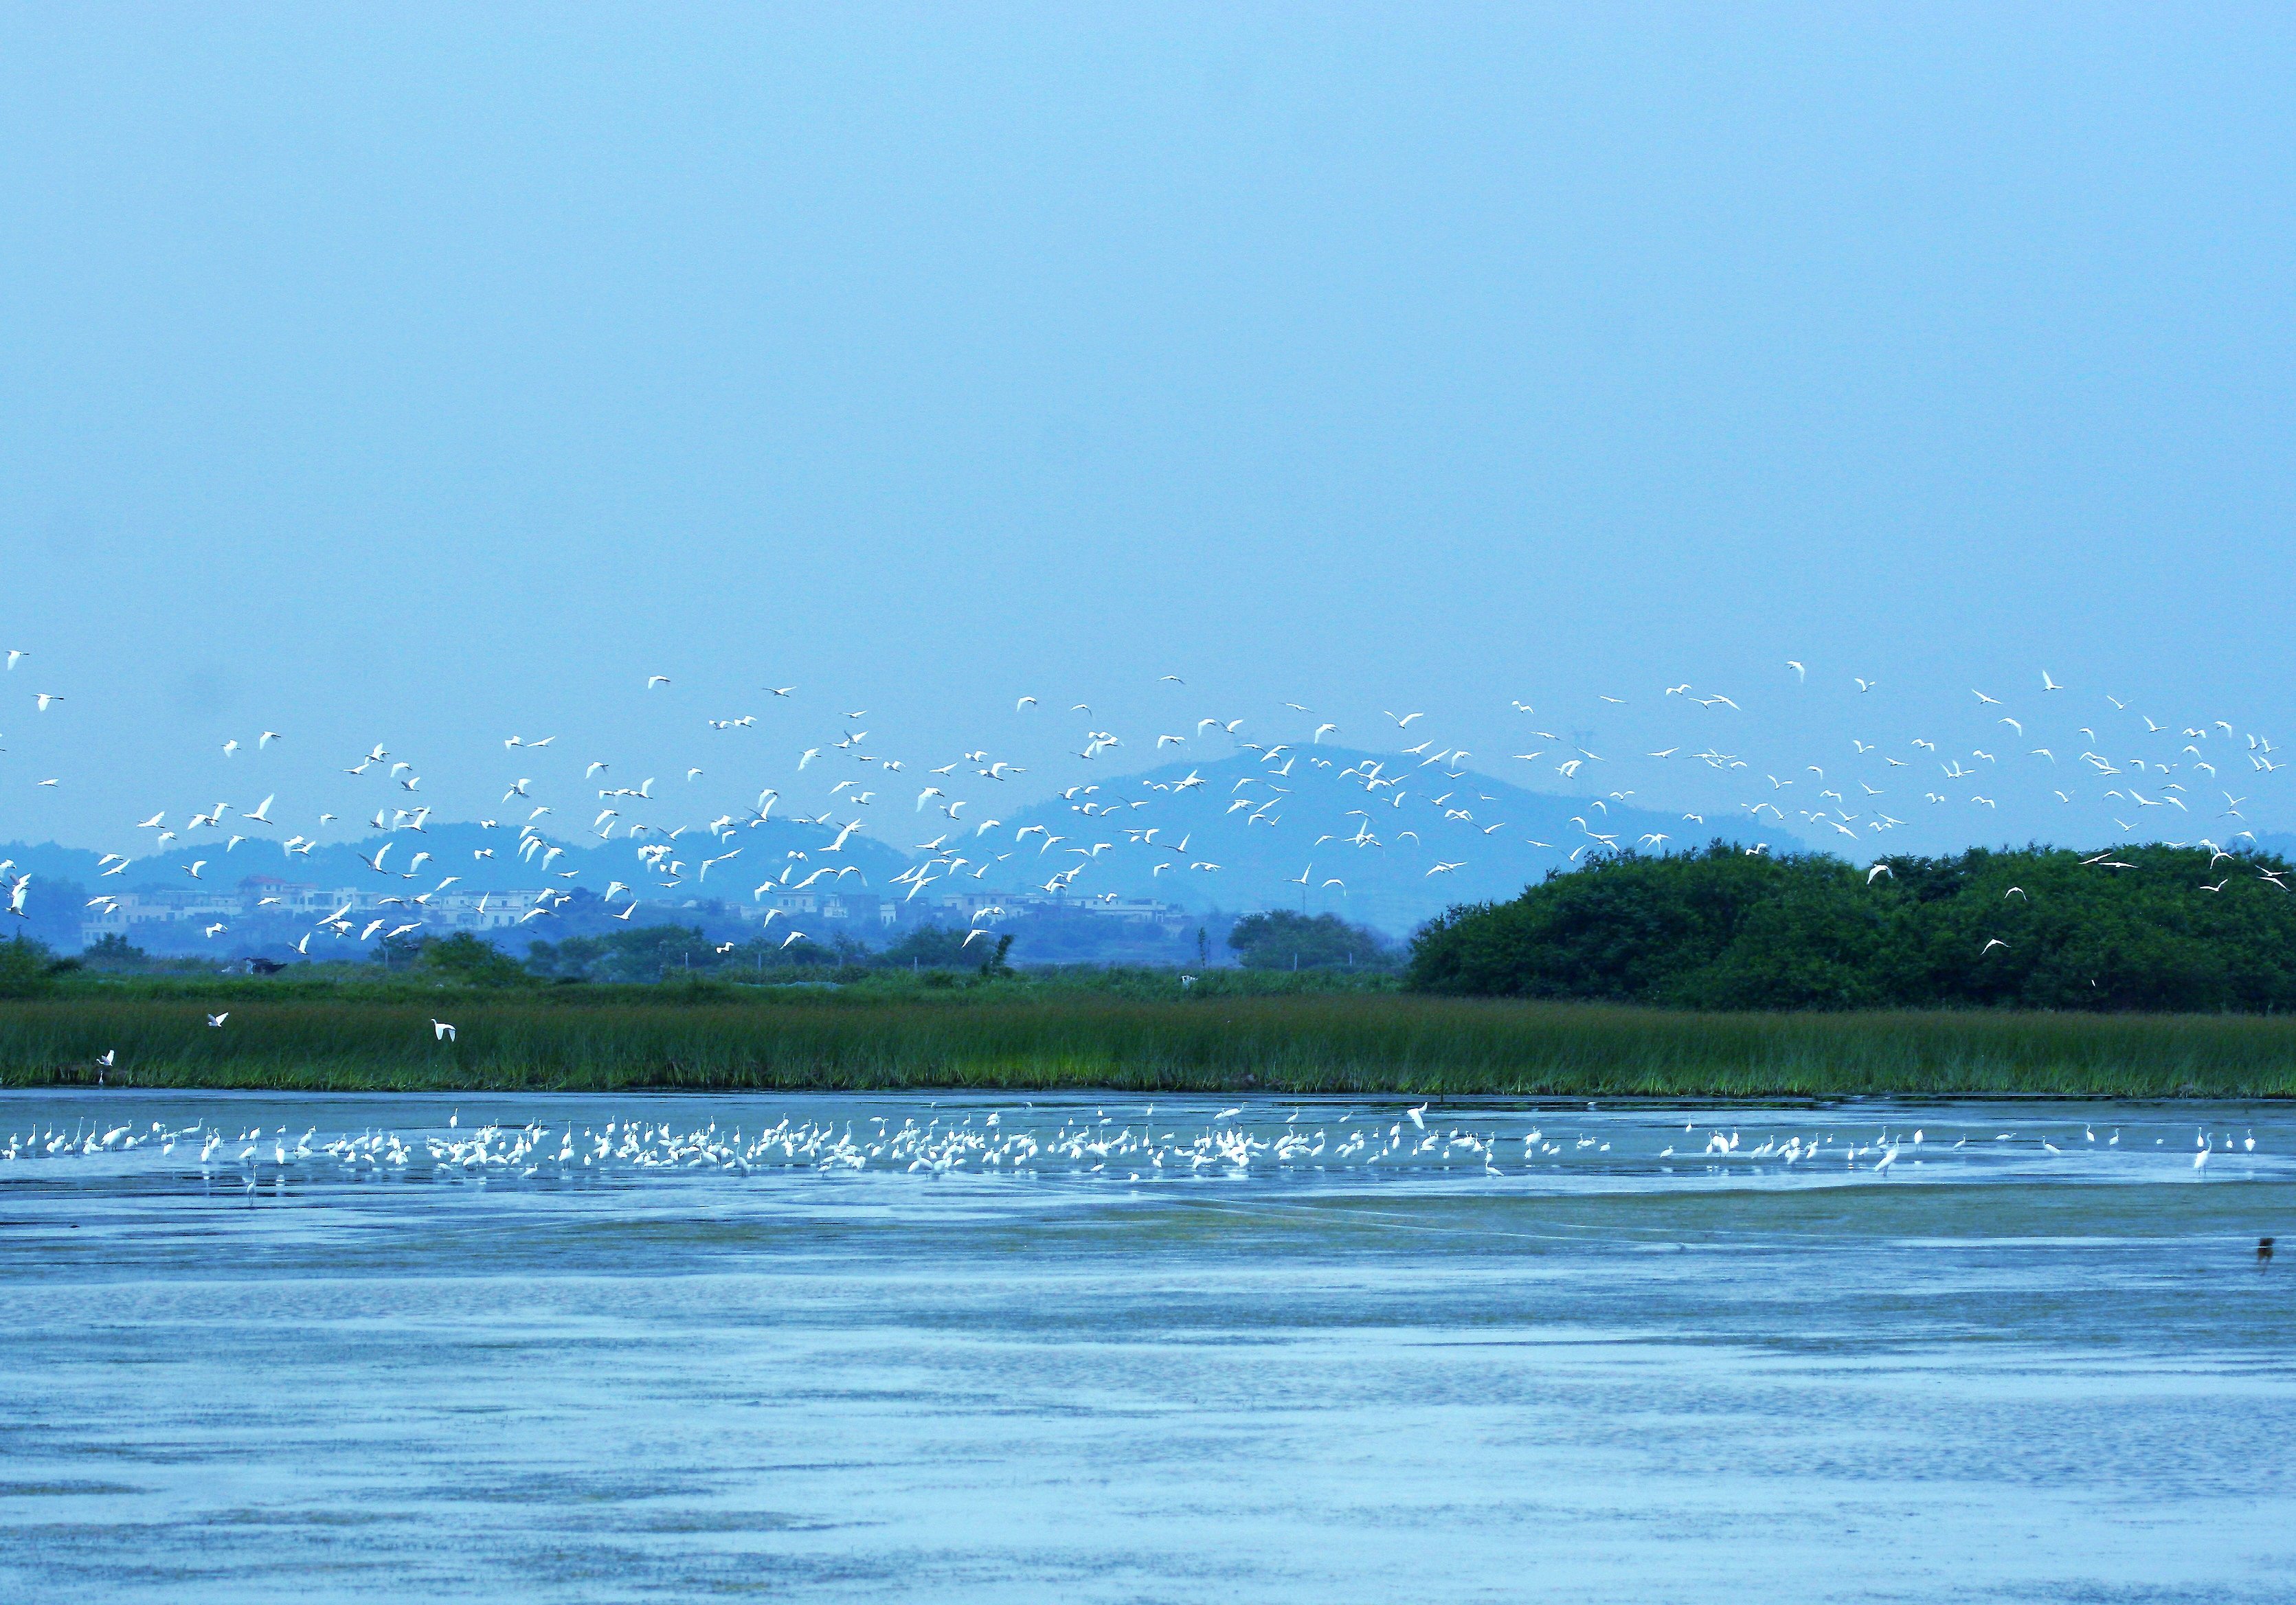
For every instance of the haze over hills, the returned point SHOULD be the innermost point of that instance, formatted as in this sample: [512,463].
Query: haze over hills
[1267,819]
[1038,801]
[1331,829]
[467,857]
[481,860]
[1327,829]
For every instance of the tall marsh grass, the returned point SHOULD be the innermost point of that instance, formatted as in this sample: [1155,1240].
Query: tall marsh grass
[1350,1042]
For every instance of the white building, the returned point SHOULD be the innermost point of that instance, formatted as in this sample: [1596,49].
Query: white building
[483,911]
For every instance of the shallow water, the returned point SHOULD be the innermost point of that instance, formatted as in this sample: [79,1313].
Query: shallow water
[880,1347]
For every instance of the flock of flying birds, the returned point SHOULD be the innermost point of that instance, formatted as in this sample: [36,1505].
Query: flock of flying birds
[2173,781]
[1367,1142]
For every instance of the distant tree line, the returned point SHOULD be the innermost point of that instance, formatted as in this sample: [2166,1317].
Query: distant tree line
[660,953]
[1283,940]
[2154,928]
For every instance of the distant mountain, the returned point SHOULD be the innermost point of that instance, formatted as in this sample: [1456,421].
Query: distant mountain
[45,861]
[1264,823]
[1263,819]
[456,850]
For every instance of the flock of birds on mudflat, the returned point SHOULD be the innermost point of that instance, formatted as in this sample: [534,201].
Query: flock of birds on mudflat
[1127,1146]
[2122,763]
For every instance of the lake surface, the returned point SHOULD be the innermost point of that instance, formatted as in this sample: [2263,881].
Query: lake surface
[623,1348]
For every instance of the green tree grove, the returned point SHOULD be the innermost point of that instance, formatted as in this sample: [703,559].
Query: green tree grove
[2133,929]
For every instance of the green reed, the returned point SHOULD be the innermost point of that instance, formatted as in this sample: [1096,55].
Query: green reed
[1144,1038]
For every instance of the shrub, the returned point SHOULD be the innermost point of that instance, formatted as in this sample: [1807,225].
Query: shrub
[112,951]
[1281,939]
[2156,928]
[468,961]
[27,967]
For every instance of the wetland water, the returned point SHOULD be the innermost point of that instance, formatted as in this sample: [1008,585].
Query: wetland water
[989,1349]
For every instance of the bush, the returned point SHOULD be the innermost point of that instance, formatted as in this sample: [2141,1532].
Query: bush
[997,966]
[113,951]
[2156,928]
[470,961]
[27,967]
[928,947]
[1283,941]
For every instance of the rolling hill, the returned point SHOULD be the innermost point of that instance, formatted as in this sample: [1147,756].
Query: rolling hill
[1267,819]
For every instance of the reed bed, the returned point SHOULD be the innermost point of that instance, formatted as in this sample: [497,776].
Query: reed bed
[1340,1043]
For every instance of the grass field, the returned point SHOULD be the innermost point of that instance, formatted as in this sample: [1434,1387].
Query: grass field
[1140,1032]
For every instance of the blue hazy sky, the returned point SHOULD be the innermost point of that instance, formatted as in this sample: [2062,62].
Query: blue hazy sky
[427,375]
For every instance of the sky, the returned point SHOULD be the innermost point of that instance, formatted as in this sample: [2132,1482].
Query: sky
[428,375]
